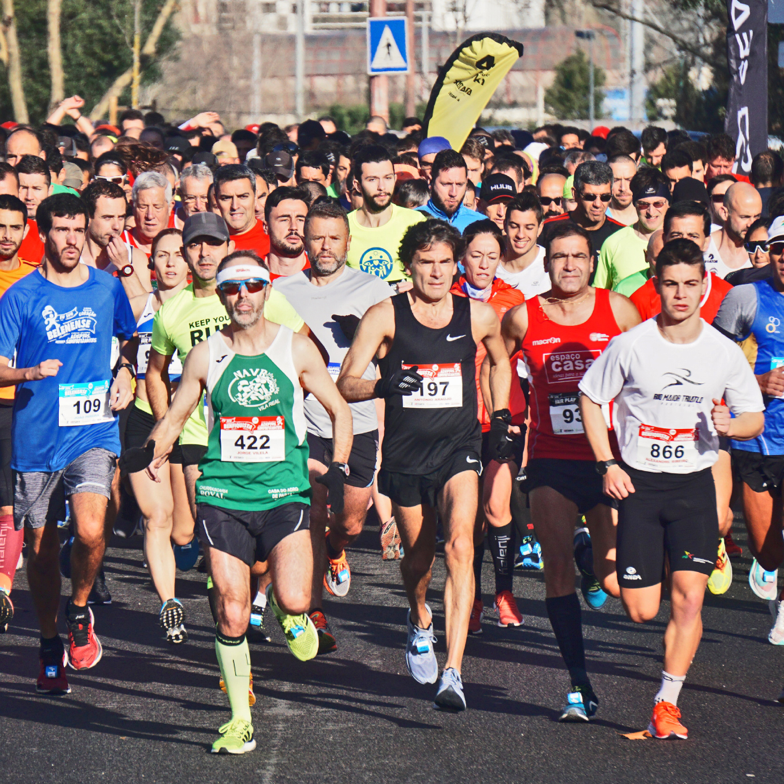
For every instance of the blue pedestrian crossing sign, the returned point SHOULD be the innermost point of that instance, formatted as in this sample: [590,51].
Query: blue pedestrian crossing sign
[387,44]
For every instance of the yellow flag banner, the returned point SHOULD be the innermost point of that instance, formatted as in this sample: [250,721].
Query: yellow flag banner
[466,83]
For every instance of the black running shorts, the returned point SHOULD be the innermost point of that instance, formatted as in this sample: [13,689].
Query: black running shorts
[575,480]
[361,461]
[409,490]
[762,473]
[249,536]
[138,428]
[6,474]
[667,515]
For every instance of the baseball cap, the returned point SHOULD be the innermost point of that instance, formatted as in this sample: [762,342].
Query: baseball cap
[207,158]
[281,163]
[225,148]
[522,138]
[177,144]
[689,189]
[601,130]
[535,149]
[205,224]
[433,144]
[776,230]
[253,128]
[73,176]
[497,187]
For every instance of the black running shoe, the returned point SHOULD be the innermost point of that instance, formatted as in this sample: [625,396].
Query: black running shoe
[257,632]
[99,593]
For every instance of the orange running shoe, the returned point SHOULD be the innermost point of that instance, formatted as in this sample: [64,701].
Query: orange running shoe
[85,649]
[327,642]
[475,621]
[665,722]
[337,580]
[734,550]
[251,695]
[506,607]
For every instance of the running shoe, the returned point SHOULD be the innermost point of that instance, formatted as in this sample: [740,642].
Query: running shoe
[721,577]
[581,705]
[506,607]
[65,558]
[128,517]
[763,584]
[420,656]
[186,555]
[236,737]
[592,592]
[665,722]
[301,635]
[84,648]
[390,541]
[475,621]
[251,695]
[530,555]
[20,562]
[257,632]
[172,619]
[327,642]
[6,611]
[51,677]
[776,636]
[337,579]
[99,593]
[449,696]
[734,550]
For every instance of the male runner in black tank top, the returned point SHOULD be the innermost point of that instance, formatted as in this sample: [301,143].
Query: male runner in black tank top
[425,342]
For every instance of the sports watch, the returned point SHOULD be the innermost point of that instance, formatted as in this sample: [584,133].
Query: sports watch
[602,466]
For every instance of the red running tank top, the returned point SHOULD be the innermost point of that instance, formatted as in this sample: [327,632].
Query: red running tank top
[557,357]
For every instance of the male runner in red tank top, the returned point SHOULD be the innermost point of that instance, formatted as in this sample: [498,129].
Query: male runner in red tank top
[561,333]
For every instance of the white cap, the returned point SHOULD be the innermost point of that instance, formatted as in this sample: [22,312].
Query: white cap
[776,230]
[535,149]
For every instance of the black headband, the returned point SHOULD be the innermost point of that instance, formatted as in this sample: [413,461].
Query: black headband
[651,191]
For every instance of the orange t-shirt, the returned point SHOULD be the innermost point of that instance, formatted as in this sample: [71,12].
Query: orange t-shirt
[31,248]
[256,240]
[7,279]
[648,302]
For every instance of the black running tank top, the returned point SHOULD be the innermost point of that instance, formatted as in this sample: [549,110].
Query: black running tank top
[422,431]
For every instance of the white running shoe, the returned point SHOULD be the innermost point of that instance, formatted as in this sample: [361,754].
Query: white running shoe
[763,584]
[776,636]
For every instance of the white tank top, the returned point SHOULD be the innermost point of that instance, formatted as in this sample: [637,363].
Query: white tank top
[715,264]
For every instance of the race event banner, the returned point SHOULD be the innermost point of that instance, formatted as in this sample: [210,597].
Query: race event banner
[466,83]
[747,54]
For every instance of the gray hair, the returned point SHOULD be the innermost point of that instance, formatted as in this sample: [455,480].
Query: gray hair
[197,171]
[578,156]
[592,173]
[149,180]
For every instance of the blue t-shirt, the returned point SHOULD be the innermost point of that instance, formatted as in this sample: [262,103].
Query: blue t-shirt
[461,219]
[60,418]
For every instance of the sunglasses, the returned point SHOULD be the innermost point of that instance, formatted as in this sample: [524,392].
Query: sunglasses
[116,180]
[755,245]
[605,197]
[252,286]
[717,198]
[653,205]
[776,247]
[547,201]
[288,147]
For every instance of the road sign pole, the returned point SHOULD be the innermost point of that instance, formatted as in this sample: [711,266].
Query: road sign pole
[411,75]
[379,84]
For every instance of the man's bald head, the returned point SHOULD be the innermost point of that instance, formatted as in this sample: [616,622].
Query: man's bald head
[655,244]
[742,206]
[22,142]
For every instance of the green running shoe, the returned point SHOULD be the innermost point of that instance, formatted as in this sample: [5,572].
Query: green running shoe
[236,738]
[301,635]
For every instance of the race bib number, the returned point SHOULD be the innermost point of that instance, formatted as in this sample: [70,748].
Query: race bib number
[252,439]
[85,404]
[565,414]
[442,387]
[334,370]
[143,353]
[665,449]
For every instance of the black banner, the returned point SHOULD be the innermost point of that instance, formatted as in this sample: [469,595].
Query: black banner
[747,54]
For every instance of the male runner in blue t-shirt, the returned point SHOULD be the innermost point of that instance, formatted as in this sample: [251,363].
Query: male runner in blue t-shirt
[58,324]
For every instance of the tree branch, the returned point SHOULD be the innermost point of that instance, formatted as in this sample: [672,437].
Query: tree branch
[706,57]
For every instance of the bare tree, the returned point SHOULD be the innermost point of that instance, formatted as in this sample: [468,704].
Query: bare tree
[13,63]
[55,51]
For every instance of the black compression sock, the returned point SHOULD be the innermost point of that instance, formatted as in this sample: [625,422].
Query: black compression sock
[501,547]
[52,644]
[564,614]
[479,555]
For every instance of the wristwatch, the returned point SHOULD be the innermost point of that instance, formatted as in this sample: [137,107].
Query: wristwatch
[603,465]
[131,369]
[342,467]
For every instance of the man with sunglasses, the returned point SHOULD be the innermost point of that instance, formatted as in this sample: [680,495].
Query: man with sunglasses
[254,492]
[550,190]
[592,191]
[742,206]
[623,254]
[522,265]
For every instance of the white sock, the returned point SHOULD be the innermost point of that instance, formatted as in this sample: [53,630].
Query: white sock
[670,688]
[261,599]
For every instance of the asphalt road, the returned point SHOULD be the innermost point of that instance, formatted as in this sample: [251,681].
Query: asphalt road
[149,712]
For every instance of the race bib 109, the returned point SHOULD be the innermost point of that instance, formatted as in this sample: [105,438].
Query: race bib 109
[665,449]
[442,387]
[252,439]
[85,404]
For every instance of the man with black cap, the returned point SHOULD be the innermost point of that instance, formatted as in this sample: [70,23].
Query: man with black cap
[282,164]
[623,254]
[496,193]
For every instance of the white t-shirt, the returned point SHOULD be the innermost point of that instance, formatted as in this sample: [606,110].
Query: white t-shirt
[714,262]
[352,293]
[533,280]
[664,393]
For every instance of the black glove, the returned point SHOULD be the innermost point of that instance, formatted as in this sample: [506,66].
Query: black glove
[334,481]
[499,441]
[348,324]
[400,382]
[136,458]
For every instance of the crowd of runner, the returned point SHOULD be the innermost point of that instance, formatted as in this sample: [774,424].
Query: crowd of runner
[243,345]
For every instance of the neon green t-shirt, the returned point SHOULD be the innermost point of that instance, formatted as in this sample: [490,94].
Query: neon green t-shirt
[622,254]
[185,320]
[629,285]
[376,251]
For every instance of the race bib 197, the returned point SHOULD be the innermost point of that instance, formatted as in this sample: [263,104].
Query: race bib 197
[442,387]
[665,449]
[85,404]
[252,439]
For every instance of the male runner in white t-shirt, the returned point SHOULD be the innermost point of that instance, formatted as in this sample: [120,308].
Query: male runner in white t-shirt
[668,378]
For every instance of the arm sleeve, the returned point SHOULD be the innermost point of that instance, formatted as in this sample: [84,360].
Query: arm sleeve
[742,393]
[604,380]
[737,312]
[280,311]
[161,341]
[124,321]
